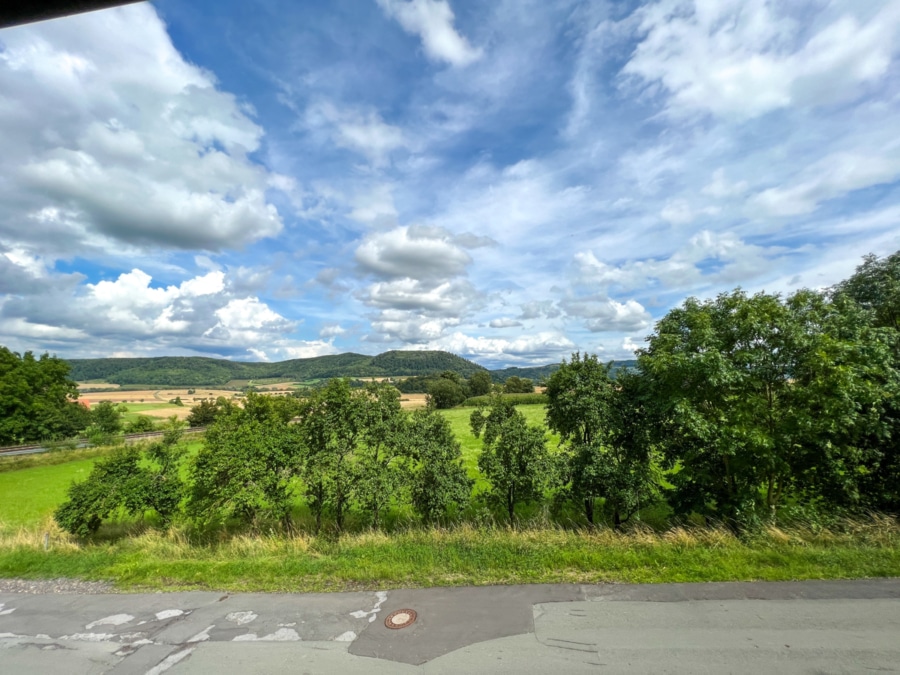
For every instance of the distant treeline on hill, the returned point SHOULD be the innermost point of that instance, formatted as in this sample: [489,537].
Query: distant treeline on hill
[170,371]
[184,371]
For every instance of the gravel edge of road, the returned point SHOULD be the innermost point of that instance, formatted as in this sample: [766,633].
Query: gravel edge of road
[58,586]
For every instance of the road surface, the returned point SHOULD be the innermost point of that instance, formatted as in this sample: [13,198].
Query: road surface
[792,627]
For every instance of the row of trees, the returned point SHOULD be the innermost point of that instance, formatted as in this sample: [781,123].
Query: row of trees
[342,448]
[739,406]
[748,404]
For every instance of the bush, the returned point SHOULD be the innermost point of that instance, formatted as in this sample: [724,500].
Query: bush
[140,425]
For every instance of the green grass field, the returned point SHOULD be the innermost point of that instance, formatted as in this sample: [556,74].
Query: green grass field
[28,496]
[471,446]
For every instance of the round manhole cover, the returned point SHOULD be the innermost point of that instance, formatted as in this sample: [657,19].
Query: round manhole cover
[401,618]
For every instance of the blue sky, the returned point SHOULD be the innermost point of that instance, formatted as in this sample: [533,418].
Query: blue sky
[510,181]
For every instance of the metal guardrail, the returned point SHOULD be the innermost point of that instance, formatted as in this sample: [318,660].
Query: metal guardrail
[35,448]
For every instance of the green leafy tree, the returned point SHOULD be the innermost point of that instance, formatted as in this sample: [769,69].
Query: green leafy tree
[333,421]
[759,398]
[37,399]
[380,466]
[206,412]
[141,424]
[437,477]
[246,470]
[134,479]
[514,456]
[446,392]
[518,385]
[875,288]
[480,383]
[598,420]
[106,417]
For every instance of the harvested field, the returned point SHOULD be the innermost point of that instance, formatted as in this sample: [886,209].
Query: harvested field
[151,395]
[410,401]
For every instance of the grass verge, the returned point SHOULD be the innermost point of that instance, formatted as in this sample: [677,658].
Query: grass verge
[153,560]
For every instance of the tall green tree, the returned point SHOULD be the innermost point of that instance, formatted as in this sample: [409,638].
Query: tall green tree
[106,417]
[333,422]
[437,478]
[380,463]
[514,456]
[600,421]
[446,391]
[758,399]
[37,399]
[246,469]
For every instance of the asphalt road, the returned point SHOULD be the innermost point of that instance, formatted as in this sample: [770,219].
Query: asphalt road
[794,627]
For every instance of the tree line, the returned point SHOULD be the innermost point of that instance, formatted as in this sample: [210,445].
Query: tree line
[739,408]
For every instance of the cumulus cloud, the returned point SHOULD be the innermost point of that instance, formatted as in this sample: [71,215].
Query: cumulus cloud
[421,286]
[420,253]
[132,144]
[537,309]
[543,347]
[206,313]
[605,315]
[332,330]
[432,21]
[744,58]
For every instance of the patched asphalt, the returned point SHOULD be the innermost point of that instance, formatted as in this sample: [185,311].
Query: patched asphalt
[808,627]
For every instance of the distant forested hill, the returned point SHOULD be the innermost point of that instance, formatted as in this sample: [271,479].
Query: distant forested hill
[538,373]
[170,371]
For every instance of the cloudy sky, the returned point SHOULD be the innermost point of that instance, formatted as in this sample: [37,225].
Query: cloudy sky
[508,180]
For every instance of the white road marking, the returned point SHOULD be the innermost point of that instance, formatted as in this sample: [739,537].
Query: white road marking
[4,612]
[114,620]
[170,661]
[241,618]
[372,613]
[349,636]
[168,614]
[203,635]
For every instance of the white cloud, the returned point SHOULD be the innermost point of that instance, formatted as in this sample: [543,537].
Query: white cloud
[743,58]
[539,309]
[605,315]
[432,21]
[540,348]
[413,252]
[504,322]
[332,330]
[679,212]
[280,350]
[735,262]
[375,207]
[720,188]
[831,177]
[124,122]
[449,298]
[362,131]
